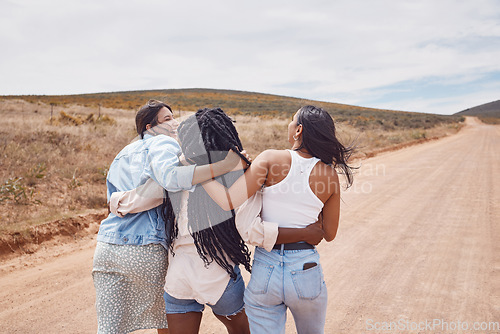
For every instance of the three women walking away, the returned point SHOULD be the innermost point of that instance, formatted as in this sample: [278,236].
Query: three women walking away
[206,244]
[291,200]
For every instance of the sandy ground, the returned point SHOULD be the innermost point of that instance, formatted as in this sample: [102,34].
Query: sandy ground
[418,241]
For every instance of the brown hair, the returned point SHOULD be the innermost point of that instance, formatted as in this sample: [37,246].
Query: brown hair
[148,114]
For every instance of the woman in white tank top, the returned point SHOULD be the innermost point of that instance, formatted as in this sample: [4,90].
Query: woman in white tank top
[300,186]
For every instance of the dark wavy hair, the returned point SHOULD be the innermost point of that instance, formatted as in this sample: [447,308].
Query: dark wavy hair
[206,137]
[148,114]
[319,139]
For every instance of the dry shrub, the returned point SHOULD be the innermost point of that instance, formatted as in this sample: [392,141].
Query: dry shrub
[70,119]
[76,120]
[490,120]
[105,119]
[15,191]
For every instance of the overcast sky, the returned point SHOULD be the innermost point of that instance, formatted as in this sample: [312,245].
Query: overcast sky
[438,56]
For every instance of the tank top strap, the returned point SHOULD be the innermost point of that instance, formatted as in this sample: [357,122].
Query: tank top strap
[302,166]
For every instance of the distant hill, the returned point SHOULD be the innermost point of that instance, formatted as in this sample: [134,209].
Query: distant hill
[491,109]
[249,103]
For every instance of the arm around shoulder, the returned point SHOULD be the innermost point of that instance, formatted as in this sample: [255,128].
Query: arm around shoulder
[245,187]
[145,197]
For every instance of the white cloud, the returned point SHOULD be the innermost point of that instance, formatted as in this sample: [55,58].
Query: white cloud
[339,51]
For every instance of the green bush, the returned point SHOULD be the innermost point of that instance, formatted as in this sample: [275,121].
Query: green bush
[14,190]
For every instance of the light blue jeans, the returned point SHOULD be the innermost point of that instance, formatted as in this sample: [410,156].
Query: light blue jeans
[279,282]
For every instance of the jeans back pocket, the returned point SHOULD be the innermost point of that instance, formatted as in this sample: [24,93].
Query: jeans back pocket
[308,283]
[259,280]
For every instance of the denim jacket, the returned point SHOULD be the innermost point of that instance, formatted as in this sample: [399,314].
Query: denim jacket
[154,157]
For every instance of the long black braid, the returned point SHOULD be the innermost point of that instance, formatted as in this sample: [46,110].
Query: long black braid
[213,229]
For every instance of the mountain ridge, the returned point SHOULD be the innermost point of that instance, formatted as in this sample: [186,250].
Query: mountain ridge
[490,109]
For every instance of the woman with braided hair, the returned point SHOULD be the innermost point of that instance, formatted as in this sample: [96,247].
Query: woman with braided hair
[131,253]
[213,230]
[207,243]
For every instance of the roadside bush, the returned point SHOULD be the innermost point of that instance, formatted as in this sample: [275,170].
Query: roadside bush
[77,120]
[14,190]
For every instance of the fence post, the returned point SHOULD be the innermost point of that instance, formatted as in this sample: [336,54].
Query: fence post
[51,111]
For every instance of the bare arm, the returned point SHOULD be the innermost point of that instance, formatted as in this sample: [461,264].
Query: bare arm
[312,234]
[143,198]
[331,211]
[245,187]
[232,162]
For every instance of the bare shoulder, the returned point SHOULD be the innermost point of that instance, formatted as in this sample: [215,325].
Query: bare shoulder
[274,156]
[325,170]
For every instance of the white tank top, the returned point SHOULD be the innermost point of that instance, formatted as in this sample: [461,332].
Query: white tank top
[291,202]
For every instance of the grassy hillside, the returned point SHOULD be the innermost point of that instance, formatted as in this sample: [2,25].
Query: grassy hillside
[246,103]
[488,112]
[54,158]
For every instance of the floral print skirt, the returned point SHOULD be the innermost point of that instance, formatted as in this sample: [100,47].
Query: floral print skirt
[129,282]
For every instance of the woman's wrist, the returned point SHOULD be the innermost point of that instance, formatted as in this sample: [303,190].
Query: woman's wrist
[313,233]
[219,168]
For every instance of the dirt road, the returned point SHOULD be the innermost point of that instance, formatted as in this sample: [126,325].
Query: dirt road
[418,241]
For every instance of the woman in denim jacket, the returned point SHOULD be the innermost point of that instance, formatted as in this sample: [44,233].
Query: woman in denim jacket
[130,259]
[300,186]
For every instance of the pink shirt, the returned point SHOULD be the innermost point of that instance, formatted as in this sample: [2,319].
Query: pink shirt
[187,276]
